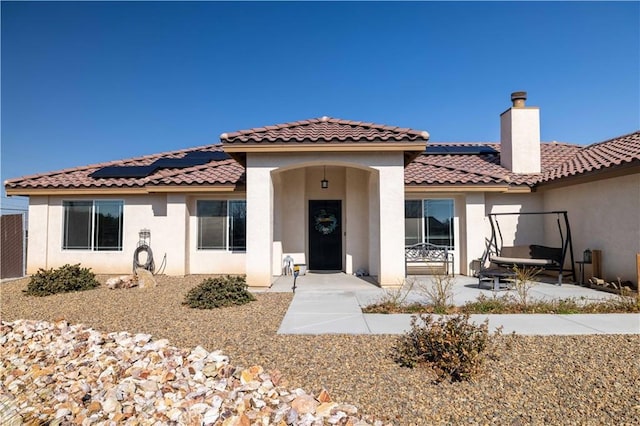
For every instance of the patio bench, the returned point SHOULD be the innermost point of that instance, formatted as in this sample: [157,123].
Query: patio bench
[427,259]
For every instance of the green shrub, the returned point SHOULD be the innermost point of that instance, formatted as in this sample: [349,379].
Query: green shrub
[62,280]
[219,292]
[452,346]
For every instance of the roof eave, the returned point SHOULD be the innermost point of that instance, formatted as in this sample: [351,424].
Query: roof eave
[458,187]
[417,147]
[147,189]
[625,169]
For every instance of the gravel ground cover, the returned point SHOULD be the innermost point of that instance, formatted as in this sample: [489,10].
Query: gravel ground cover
[538,380]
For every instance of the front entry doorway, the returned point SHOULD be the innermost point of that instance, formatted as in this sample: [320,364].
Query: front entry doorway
[325,235]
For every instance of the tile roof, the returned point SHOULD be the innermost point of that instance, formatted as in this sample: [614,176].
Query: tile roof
[619,151]
[324,130]
[485,169]
[221,172]
[558,160]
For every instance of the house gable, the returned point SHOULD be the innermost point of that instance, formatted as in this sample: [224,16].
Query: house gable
[325,134]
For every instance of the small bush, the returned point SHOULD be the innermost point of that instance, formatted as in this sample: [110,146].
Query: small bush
[491,305]
[392,300]
[62,280]
[219,292]
[524,281]
[452,346]
[439,292]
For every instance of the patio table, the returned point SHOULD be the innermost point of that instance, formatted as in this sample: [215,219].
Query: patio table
[497,274]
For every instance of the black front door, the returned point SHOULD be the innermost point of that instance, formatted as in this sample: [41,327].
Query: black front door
[325,235]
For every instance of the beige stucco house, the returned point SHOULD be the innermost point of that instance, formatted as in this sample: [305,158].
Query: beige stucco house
[336,195]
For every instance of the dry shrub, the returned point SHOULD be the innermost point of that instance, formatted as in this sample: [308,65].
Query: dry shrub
[452,346]
[439,292]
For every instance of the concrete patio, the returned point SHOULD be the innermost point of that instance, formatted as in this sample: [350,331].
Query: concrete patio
[330,303]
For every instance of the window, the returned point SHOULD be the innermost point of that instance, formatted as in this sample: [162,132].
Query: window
[222,224]
[92,225]
[429,221]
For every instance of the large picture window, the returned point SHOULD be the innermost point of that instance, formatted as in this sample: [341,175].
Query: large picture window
[222,225]
[429,221]
[92,225]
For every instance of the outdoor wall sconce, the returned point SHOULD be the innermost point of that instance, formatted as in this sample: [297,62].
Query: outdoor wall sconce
[324,183]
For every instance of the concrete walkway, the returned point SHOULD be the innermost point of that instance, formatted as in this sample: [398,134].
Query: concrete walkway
[331,304]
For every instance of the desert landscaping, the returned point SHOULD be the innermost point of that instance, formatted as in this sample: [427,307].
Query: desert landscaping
[591,379]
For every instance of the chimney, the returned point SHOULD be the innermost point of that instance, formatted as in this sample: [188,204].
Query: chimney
[520,136]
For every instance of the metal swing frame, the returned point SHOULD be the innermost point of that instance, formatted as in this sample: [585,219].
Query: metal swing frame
[547,258]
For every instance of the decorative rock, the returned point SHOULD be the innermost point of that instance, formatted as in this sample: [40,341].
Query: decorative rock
[62,412]
[113,283]
[246,376]
[145,278]
[140,339]
[111,405]
[210,370]
[94,407]
[116,378]
[304,404]
[174,414]
[211,416]
[292,416]
[324,409]
[125,281]
[336,418]
[324,396]
[350,410]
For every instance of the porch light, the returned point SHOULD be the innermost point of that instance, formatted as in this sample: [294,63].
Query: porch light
[324,183]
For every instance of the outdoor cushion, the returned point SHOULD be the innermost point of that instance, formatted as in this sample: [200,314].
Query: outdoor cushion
[521,261]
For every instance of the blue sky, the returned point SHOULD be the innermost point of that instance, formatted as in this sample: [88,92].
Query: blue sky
[86,82]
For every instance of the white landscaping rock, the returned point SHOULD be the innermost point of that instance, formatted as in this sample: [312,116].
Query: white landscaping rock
[133,377]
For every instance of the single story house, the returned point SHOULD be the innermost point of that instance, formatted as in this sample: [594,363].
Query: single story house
[336,195]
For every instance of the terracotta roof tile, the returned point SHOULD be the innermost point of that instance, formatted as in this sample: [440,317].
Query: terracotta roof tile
[558,160]
[610,153]
[480,168]
[324,130]
[225,171]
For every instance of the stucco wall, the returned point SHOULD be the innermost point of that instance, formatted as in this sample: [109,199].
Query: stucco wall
[46,229]
[520,139]
[38,243]
[517,230]
[604,215]
[474,229]
[290,203]
[357,221]
[170,218]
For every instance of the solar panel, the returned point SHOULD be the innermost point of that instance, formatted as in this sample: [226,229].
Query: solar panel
[179,163]
[194,158]
[123,172]
[209,155]
[459,150]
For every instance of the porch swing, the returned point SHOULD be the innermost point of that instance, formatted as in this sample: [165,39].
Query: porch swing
[502,258]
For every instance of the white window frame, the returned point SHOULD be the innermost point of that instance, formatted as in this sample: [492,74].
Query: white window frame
[228,228]
[423,236]
[92,230]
